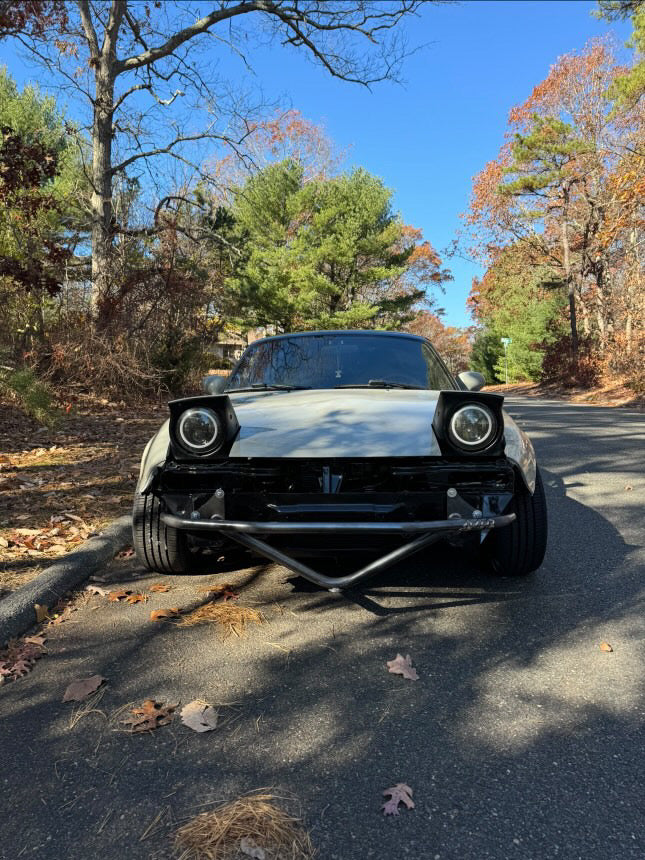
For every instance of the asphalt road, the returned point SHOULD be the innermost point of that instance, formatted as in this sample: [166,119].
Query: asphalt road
[521,739]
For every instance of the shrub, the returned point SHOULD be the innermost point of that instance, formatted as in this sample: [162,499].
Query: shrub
[31,394]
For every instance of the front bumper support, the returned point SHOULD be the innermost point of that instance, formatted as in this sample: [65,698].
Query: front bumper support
[426,534]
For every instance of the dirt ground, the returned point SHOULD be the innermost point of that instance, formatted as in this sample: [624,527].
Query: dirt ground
[59,487]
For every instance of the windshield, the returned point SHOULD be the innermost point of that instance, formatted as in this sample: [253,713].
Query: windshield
[339,360]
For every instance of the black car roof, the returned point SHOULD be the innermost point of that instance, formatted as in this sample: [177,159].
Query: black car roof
[344,332]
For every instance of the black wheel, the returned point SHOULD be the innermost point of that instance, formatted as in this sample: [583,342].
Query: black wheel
[518,549]
[157,546]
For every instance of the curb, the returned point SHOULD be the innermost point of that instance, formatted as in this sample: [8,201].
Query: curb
[17,609]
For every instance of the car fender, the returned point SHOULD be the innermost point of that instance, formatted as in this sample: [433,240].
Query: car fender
[519,450]
[154,455]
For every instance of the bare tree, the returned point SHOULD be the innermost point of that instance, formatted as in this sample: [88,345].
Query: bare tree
[131,61]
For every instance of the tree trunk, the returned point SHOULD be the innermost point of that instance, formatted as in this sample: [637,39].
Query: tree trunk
[101,204]
[570,285]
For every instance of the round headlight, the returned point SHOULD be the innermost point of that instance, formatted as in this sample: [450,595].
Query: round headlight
[199,429]
[472,426]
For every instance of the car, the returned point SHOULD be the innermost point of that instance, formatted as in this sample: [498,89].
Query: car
[337,442]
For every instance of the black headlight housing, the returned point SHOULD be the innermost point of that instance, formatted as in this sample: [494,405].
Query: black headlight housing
[203,426]
[469,423]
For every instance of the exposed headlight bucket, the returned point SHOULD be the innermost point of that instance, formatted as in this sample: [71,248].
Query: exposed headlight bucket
[199,429]
[472,426]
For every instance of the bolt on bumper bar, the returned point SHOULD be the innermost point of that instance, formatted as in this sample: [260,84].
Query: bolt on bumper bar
[426,534]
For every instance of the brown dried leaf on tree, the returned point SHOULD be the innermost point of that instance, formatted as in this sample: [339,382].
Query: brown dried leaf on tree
[402,666]
[164,614]
[199,716]
[159,588]
[399,793]
[79,690]
[151,715]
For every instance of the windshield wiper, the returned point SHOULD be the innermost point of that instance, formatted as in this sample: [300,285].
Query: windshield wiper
[382,383]
[264,386]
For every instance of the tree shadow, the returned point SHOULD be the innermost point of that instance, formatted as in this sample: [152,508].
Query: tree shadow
[518,739]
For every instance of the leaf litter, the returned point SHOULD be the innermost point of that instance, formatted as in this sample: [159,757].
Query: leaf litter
[231,618]
[19,657]
[257,819]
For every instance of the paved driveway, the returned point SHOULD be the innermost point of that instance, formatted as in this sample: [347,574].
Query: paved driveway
[521,739]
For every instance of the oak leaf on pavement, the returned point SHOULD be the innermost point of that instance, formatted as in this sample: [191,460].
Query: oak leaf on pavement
[399,793]
[402,666]
[149,716]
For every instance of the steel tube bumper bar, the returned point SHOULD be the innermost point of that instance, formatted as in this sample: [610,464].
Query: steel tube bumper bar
[233,527]
[427,533]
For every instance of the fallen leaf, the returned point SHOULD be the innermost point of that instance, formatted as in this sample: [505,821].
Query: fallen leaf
[149,716]
[42,613]
[224,591]
[19,657]
[4,542]
[251,848]
[136,598]
[128,552]
[159,587]
[402,666]
[79,690]
[115,596]
[96,589]
[199,716]
[605,646]
[629,487]
[163,614]
[399,793]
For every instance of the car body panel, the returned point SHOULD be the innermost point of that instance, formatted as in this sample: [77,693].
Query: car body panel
[351,423]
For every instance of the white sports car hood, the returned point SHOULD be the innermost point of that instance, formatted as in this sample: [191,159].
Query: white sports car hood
[350,422]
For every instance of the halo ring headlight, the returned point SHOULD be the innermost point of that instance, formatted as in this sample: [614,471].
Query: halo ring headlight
[472,427]
[199,429]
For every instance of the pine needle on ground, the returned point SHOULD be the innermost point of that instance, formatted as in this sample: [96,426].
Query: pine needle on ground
[216,835]
[231,617]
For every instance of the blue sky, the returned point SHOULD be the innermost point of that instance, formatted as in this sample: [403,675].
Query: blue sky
[428,137]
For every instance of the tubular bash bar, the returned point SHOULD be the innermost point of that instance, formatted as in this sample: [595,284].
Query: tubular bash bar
[428,532]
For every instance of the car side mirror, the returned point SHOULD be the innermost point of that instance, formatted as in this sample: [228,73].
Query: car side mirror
[470,380]
[214,384]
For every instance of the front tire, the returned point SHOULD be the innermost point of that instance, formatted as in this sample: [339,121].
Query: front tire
[518,549]
[158,547]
